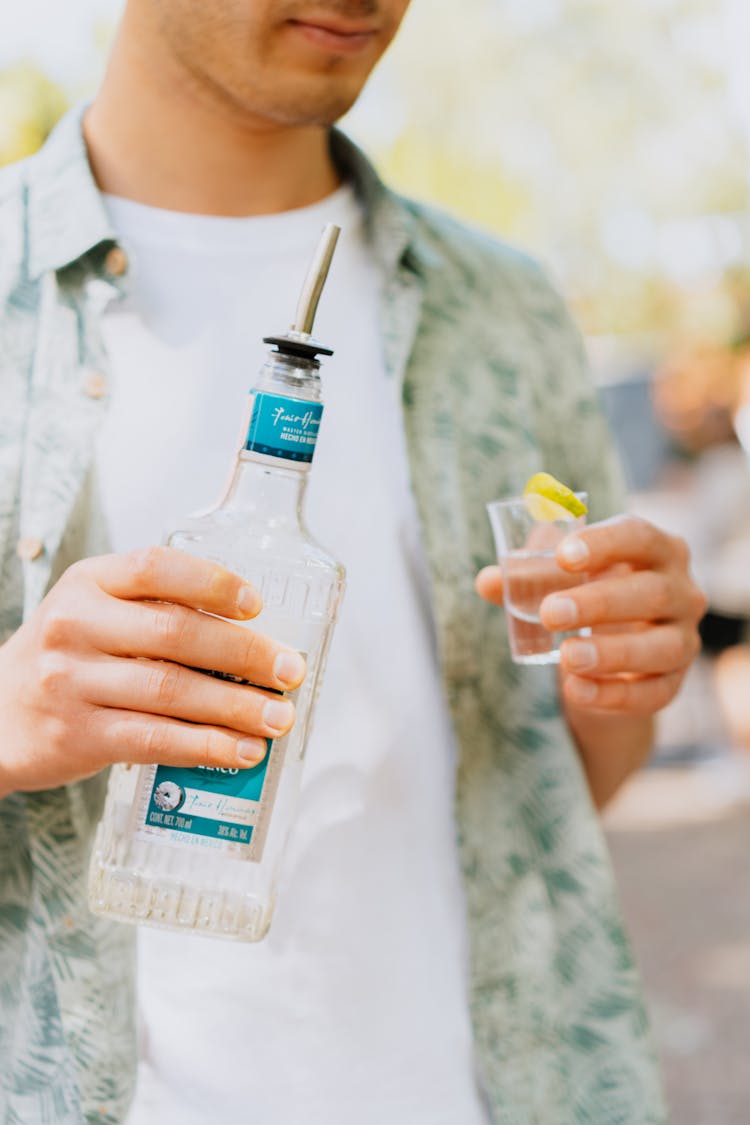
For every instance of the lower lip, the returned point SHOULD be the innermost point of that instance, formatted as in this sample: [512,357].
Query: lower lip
[332,41]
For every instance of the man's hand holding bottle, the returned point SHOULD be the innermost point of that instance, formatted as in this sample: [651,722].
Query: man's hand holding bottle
[102,672]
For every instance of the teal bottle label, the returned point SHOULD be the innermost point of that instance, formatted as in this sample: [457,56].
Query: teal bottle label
[284,427]
[223,806]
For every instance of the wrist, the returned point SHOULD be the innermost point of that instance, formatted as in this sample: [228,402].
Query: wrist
[611,747]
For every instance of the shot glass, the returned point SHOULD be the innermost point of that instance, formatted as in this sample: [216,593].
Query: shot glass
[526,553]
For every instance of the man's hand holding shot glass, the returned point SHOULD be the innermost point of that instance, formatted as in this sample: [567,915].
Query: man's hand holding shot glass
[643,609]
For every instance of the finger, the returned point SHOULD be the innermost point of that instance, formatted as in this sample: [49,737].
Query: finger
[643,595]
[161,688]
[621,539]
[665,648]
[128,736]
[489,584]
[638,697]
[166,574]
[185,636]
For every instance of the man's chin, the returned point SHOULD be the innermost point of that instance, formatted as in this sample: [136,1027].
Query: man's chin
[320,111]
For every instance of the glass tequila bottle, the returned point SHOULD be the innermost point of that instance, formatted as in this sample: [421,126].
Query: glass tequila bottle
[199,849]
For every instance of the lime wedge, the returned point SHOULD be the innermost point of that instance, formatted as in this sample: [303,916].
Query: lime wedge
[549,499]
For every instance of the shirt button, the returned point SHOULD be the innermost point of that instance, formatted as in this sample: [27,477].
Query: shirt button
[29,548]
[95,384]
[116,262]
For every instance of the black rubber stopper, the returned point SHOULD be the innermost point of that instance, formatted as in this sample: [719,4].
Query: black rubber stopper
[297,347]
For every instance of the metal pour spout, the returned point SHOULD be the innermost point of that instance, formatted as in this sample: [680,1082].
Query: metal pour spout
[299,341]
[307,305]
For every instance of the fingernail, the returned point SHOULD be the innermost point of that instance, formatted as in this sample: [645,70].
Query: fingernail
[582,691]
[581,654]
[249,601]
[289,668]
[252,750]
[573,550]
[560,613]
[278,714]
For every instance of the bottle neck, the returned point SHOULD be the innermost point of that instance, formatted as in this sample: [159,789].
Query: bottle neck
[281,429]
[272,496]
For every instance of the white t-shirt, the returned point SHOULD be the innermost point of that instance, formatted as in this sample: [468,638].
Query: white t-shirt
[353,1010]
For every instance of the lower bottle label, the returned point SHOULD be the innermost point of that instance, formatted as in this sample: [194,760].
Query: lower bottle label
[224,806]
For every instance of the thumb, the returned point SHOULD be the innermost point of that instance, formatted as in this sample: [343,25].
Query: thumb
[489,584]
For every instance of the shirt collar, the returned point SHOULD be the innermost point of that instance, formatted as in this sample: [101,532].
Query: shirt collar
[391,223]
[67,218]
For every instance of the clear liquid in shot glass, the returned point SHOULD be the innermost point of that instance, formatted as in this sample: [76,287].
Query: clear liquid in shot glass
[528,578]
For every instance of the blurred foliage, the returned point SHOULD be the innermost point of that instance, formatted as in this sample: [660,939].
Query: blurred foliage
[697,391]
[30,106]
[702,383]
[599,135]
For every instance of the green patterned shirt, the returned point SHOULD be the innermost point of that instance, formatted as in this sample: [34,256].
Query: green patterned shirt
[494,387]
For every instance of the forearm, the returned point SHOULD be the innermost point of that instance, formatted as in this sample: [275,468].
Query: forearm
[611,747]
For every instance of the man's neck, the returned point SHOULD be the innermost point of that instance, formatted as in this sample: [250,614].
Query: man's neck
[154,136]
